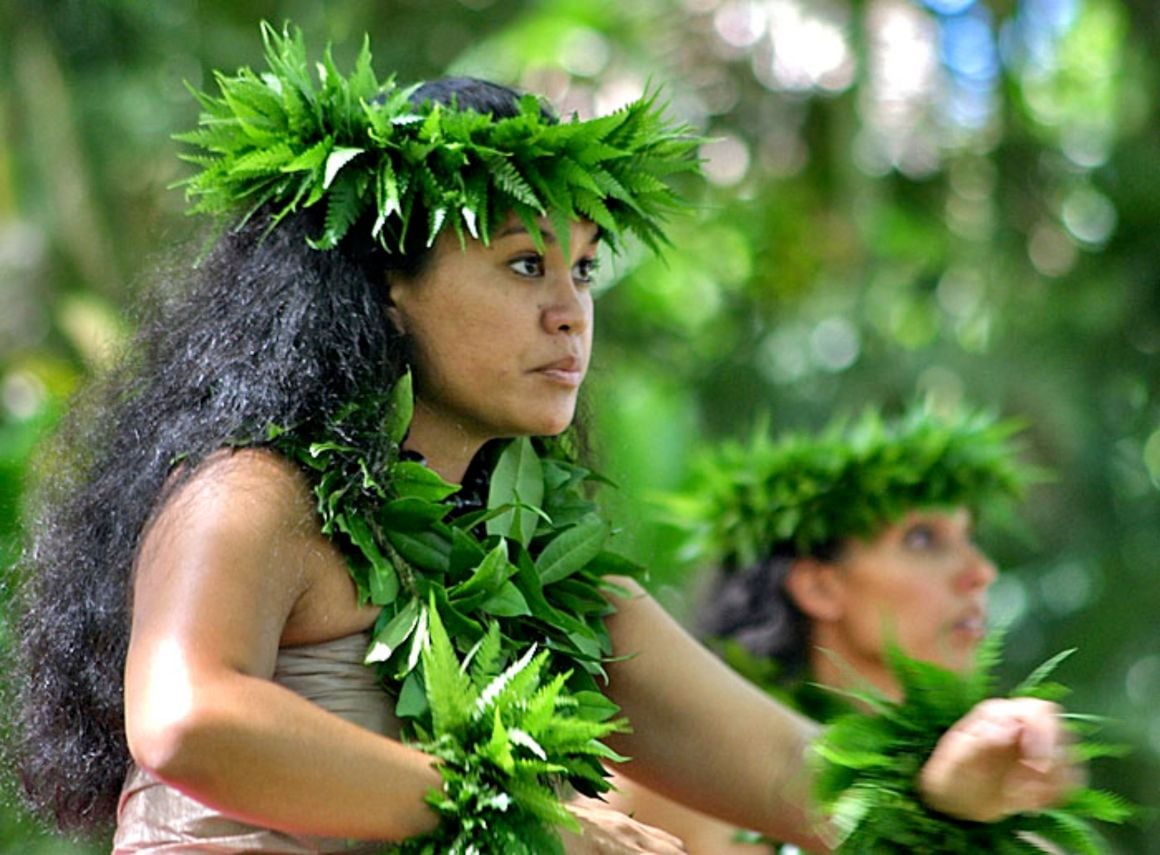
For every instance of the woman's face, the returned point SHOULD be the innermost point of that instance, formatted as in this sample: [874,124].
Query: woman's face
[921,582]
[501,335]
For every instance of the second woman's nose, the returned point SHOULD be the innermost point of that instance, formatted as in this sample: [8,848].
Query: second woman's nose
[978,574]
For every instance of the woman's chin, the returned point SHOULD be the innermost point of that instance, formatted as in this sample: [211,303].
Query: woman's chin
[552,424]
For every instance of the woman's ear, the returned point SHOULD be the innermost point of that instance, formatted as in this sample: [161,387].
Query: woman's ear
[816,588]
[392,308]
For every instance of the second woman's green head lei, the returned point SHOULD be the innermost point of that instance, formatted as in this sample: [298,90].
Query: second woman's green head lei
[800,492]
[296,135]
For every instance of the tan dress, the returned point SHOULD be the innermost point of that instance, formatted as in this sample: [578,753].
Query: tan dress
[154,818]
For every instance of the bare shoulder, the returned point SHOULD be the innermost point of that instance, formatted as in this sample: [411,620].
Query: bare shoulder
[267,487]
[246,519]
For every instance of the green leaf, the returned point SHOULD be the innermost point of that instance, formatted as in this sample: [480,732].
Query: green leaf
[336,160]
[1033,680]
[611,564]
[383,583]
[412,701]
[410,479]
[394,634]
[466,552]
[382,579]
[572,549]
[518,480]
[412,514]
[506,602]
[427,549]
[484,658]
[595,706]
[867,766]
[449,690]
[491,573]
[402,409]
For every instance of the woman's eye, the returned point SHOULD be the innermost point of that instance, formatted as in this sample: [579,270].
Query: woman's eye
[585,269]
[529,266]
[920,537]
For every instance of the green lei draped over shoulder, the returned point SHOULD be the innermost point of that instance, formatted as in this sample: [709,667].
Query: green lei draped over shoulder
[491,635]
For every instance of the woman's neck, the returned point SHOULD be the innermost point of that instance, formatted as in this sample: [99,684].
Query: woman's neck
[446,448]
[830,668]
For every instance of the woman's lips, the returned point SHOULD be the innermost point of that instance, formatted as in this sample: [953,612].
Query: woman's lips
[568,371]
[973,624]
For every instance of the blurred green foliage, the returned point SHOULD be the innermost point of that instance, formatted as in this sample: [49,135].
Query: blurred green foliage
[938,197]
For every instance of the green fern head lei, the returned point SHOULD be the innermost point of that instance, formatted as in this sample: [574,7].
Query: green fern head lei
[293,139]
[801,492]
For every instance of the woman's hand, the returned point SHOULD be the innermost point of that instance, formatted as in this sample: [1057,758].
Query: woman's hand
[605,831]
[1005,756]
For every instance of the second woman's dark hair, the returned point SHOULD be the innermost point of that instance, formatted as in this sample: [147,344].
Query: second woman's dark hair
[751,606]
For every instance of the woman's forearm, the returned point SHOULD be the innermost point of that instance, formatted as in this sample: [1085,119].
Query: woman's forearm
[260,753]
[702,735]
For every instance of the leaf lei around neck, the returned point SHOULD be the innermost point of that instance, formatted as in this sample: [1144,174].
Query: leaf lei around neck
[491,634]
[297,135]
[868,765]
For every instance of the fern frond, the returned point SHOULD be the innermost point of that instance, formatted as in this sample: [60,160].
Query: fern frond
[470,163]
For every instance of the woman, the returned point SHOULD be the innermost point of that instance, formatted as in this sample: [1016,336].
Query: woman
[830,548]
[255,498]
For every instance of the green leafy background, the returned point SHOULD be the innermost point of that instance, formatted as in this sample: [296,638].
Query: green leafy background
[983,230]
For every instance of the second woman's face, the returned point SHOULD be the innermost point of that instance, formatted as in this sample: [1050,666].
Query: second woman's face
[501,334]
[921,582]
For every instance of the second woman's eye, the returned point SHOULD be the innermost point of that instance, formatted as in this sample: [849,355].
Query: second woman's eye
[920,536]
[529,266]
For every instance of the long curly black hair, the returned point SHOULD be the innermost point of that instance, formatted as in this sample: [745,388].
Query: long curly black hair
[262,331]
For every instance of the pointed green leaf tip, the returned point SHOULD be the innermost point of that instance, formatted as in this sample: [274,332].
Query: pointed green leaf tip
[301,134]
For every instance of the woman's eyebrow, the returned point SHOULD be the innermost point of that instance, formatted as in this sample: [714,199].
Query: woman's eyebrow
[547,233]
[520,229]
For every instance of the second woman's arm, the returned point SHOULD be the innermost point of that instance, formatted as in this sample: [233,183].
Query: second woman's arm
[708,739]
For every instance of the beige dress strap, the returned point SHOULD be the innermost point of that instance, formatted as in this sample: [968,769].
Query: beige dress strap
[153,817]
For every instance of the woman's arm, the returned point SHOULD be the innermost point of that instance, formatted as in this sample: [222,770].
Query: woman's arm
[702,735]
[705,737]
[233,563]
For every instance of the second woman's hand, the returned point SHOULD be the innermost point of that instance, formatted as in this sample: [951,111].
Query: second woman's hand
[1005,756]
[605,831]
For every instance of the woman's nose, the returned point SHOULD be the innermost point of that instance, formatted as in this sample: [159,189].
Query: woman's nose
[568,309]
[979,573]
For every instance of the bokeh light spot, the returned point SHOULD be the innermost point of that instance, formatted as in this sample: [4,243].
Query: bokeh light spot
[1067,589]
[1142,681]
[1089,216]
[726,160]
[835,344]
